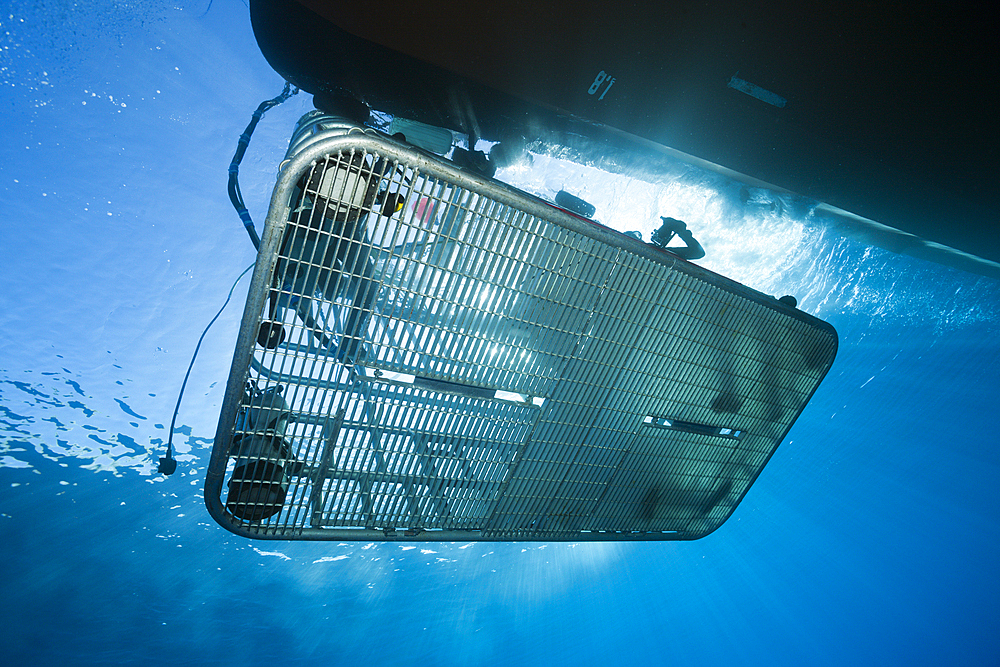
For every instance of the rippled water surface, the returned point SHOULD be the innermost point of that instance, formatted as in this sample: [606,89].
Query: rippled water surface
[872,536]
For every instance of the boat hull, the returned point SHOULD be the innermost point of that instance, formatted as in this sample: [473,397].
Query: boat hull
[878,116]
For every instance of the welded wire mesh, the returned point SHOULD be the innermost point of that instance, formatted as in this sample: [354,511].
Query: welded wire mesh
[430,355]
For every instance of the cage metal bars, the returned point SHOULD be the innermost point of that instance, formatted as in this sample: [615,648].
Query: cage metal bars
[467,313]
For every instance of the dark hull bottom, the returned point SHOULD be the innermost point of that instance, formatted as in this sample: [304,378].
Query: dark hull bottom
[884,171]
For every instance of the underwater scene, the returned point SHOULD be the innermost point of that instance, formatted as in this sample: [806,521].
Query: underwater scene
[871,536]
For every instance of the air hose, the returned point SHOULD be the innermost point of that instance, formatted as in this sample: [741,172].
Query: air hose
[235,195]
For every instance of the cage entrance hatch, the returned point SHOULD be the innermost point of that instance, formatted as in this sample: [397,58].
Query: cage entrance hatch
[426,354]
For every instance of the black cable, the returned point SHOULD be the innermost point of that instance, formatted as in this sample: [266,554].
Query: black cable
[235,195]
[168,464]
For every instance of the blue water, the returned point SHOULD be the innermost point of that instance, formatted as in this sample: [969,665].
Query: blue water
[872,537]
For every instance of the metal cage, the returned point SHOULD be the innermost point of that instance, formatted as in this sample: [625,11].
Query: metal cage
[426,354]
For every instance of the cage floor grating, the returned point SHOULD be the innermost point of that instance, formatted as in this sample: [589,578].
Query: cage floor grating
[429,355]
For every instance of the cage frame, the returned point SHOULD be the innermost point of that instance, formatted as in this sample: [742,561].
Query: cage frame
[319,136]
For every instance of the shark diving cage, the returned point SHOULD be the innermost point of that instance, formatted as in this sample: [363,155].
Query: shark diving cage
[427,354]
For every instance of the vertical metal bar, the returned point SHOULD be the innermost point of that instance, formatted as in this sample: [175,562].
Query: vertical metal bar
[319,477]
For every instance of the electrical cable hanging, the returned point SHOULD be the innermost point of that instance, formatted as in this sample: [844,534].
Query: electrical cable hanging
[168,464]
[235,195]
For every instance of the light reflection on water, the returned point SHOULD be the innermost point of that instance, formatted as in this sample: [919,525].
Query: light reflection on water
[116,260]
[49,415]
